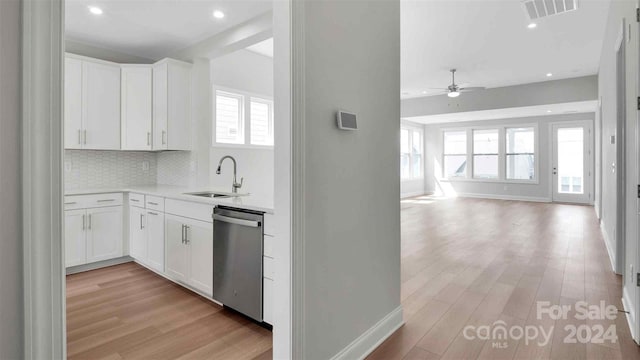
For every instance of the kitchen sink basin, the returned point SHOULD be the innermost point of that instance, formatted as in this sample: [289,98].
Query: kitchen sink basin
[210,194]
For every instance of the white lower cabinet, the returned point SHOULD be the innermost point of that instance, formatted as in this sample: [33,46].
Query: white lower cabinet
[189,245]
[93,235]
[155,240]
[137,233]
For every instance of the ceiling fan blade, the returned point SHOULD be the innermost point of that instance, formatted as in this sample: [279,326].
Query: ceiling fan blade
[472,88]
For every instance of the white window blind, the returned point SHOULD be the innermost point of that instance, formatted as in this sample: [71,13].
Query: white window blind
[261,121]
[229,118]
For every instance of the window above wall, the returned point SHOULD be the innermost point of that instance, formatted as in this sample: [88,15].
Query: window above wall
[494,154]
[242,119]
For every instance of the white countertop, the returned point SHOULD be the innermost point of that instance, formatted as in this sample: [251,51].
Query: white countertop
[249,202]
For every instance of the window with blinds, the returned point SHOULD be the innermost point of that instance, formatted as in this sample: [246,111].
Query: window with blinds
[261,122]
[229,118]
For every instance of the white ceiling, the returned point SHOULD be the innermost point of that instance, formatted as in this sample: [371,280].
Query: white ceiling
[509,113]
[488,42]
[154,29]
[263,48]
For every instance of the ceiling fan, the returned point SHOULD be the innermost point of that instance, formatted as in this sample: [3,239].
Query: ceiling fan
[454,90]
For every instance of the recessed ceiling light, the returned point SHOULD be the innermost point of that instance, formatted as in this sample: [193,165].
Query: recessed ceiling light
[548,111]
[218,14]
[424,91]
[95,10]
[532,25]
[549,74]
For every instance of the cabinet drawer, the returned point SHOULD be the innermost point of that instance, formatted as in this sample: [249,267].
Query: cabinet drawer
[136,200]
[155,203]
[73,202]
[92,201]
[268,268]
[188,209]
[268,246]
[269,225]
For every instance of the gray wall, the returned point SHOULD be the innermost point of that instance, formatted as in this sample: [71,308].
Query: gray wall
[11,299]
[619,10]
[542,93]
[352,212]
[538,192]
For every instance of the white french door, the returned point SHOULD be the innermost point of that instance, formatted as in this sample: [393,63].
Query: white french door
[571,162]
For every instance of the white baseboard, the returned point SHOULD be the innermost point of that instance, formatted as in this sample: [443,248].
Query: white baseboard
[505,197]
[98,265]
[631,314]
[372,338]
[607,244]
[412,194]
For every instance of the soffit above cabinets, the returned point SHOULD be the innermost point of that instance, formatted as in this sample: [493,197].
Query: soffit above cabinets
[154,29]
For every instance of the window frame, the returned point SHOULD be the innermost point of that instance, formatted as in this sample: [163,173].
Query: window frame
[466,154]
[247,98]
[411,130]
[536,160]
[502,158]
[474,154]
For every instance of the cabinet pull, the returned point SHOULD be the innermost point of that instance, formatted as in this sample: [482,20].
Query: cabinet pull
[83,222]
[152,203]
[134,200]
[89,221]
[186,234]
[149,138]
[79,137]
[164,134]
[106,200]
[183,233]
[141,226]
[152,213]
[70,203]
[85,137]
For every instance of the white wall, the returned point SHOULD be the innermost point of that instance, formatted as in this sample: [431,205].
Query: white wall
[253,73]
[351,212]
[536,192]
[11,300]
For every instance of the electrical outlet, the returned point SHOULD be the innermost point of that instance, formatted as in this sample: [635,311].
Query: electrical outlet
[145,165]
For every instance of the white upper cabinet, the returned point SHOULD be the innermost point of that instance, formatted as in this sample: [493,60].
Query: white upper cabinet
[92,104]
[136,107]
[73,104]
[101,106]
[171,105]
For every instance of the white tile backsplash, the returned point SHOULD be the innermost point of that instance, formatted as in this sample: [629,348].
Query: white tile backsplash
[177,168]
[88,169]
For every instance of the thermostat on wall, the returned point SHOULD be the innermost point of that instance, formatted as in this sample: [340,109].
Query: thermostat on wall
[347,121]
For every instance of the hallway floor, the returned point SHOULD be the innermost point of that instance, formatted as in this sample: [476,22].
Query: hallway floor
[469,263]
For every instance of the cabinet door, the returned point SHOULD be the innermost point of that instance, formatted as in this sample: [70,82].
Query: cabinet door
[160,91]
[177,265]
[155,240]
[179,106]
[199,236]
[137,234]
[74,237]
[101,111]
[72,103]
[136,108]
[104,235]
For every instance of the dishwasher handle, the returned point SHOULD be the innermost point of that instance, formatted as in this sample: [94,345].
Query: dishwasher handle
[236,221]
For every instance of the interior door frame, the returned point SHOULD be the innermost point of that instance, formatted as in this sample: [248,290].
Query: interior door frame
[589,159]
[619,167]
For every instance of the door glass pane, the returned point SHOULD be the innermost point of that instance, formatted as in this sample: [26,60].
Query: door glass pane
[571,160]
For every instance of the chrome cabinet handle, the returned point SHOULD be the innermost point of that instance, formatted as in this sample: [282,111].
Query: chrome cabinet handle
[106,200]
[149,138]
[152,203]
[183,233]
[186,234]
[134,200]
[70,203]
[152,213]
[236,221]
[141,226]
[164,134]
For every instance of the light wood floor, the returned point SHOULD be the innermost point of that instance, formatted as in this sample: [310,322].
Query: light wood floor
[128,312]
[474,262]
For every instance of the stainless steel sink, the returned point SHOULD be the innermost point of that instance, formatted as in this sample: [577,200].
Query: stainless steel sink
[210,194]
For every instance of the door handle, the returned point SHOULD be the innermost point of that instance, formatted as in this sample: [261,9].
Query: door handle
[555,171]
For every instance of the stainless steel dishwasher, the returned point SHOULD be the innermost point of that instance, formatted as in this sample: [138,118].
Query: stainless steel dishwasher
[237,260]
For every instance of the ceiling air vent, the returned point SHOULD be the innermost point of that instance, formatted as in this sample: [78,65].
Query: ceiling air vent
[537,9]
